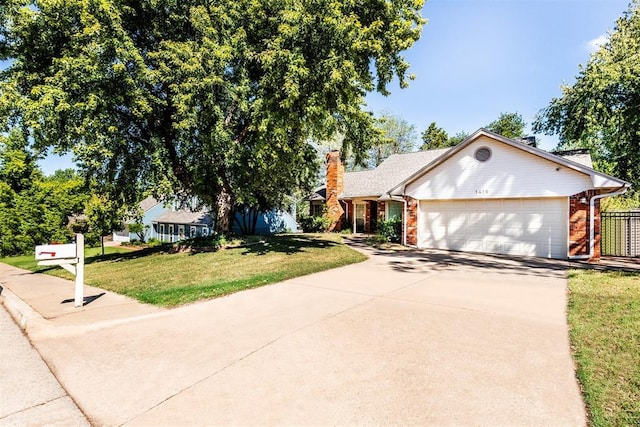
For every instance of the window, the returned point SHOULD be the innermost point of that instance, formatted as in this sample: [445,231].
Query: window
[192,232]
[162,232]
[316,209]
[394,210]
[482,154]
[205,231]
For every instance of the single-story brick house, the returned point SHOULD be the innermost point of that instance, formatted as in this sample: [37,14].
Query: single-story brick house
[488,194]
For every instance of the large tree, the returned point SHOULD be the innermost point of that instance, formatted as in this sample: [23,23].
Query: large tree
[210,98]
[601,110]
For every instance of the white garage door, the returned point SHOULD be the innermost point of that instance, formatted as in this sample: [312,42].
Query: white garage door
[534,227]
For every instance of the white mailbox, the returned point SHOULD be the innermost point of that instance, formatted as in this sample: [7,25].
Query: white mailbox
[70,257]
[46,252]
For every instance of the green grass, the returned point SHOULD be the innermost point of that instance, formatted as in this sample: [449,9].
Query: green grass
[28,262]
[158,277]
[604,320]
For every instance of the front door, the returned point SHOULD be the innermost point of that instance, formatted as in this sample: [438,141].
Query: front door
[360,217]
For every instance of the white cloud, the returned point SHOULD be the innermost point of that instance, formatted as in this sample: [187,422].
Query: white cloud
[594,45]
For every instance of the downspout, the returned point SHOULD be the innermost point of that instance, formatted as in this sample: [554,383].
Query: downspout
[592,226]
[404,220]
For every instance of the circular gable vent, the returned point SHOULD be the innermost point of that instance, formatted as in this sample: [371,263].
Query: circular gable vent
[482,154]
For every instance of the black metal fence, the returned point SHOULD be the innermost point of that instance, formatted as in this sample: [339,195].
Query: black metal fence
[620,234]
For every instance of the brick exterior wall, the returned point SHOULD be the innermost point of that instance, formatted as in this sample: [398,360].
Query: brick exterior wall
[381,216]
[367,218]
[335,187]
[412,221]
[579,225]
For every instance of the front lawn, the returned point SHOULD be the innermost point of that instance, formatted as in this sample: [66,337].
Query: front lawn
[159,277]
[604,321]
[28,262]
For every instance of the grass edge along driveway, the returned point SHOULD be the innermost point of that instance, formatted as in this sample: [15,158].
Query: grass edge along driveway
[160,277]
[604,324]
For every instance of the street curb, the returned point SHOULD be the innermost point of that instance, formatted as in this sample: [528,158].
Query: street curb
[21,312]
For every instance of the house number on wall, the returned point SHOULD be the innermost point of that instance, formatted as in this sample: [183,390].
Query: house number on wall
[482,191]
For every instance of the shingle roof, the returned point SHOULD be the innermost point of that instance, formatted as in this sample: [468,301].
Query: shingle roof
[184,217]
[148,203]
[396,168]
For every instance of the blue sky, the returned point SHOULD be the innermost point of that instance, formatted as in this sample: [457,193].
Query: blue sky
[479,58]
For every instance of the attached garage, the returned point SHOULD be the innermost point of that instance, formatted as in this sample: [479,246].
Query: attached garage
[488,194]
[515,226]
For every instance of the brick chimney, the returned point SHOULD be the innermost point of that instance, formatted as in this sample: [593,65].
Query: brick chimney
[335,187]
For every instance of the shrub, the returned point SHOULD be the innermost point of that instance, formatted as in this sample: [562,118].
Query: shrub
[153,242]
[314,224]
[390,230]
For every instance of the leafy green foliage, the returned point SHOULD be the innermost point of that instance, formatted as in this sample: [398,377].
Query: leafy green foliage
[390,230]
[509,125]
[138,229]
[394,135]
[458,138]
[313,223]
[212,99]
[622,203]
[434,137]
[601,110]
[104,216]
[33,209]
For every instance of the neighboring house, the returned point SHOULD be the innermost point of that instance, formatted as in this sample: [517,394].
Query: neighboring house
[167,223]
[488,194]
[271,222]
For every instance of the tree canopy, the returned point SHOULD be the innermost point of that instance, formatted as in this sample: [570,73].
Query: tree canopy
[601,110]
[434,137]
[213,99]
[396,135]
[34,209]
[510,125]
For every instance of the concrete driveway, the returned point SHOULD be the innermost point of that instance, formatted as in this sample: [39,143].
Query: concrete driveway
[429,338]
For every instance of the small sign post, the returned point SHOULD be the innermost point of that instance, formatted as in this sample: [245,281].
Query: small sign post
[71,258]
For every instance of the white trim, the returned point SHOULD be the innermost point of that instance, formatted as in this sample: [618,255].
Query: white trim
[598,179]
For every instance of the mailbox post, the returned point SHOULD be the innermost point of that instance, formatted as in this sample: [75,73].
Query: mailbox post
[71,258]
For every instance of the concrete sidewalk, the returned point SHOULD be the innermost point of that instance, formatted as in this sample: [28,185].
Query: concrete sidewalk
[428,338]
[29,393]
[43,305]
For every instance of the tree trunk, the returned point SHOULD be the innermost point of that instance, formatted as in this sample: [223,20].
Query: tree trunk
[102,244]
[224,210]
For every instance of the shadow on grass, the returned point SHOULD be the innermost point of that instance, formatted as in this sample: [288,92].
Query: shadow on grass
[287,245]
[124,256]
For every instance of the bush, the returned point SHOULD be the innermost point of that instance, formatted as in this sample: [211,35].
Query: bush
[390,230]
[153,242]
[314,224]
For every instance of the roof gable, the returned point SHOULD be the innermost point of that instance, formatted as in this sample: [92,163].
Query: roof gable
[395,169]
[522,157]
